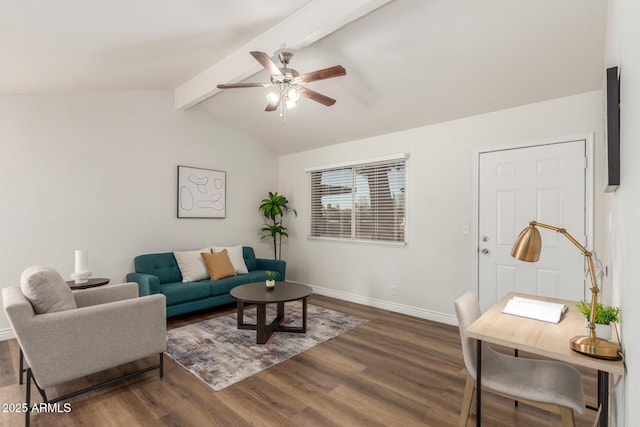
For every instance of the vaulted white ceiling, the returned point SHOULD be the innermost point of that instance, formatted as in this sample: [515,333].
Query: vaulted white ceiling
[409,63]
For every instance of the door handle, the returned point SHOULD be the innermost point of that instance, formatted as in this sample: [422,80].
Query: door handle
[484,251]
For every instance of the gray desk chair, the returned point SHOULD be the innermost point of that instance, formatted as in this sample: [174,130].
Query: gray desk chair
[553,386]
[102,328]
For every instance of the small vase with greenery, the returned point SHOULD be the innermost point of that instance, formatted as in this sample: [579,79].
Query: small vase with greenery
[274,208]
[604,317]
[271,279]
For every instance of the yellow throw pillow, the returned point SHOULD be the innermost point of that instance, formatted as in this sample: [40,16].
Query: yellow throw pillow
[218,264]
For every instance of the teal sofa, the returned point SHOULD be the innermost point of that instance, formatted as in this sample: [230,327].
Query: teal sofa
[159,274]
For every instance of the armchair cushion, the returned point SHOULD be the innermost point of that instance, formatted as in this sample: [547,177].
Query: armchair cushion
[46,290]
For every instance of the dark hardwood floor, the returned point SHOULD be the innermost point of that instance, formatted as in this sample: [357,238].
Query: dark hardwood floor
[396,370]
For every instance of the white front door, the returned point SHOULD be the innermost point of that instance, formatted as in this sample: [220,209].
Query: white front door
[544,183]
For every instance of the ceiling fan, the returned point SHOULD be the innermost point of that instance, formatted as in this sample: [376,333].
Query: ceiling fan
[289,83]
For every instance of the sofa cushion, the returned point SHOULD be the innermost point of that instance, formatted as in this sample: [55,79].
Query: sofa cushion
[191,265]
[46,290]
[219,265]
[224,286]
[163,265]
[179,292]
[249,257]
[235,255]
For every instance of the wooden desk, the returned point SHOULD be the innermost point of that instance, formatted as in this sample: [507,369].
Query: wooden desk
[542,338]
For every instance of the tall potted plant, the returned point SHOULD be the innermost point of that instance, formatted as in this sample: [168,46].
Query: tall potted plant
[274,208]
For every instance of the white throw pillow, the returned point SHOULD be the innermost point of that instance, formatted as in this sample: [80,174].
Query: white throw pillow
[47,291]
[191,265]
[235,255]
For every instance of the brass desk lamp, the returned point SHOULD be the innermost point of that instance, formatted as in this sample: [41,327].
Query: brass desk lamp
[527,248]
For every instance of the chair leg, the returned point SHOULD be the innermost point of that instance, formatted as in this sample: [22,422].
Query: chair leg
[28,399]
[21,367]
[467,400]
[43,394]
[161,365]
[567,417]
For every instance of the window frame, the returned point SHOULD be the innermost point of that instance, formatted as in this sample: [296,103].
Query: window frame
[353,166]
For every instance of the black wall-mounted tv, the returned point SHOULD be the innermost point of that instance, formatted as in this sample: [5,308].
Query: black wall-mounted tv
[613,130]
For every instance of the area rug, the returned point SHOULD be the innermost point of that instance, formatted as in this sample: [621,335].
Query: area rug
[220,355]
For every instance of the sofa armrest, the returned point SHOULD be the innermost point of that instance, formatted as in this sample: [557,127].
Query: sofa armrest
[148,284]
[70,344]
[105,294]
[276,265]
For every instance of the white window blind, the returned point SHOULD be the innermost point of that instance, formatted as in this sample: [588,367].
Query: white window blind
[364,201]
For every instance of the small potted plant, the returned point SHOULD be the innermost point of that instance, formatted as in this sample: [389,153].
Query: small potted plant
[604,318]
[271,279]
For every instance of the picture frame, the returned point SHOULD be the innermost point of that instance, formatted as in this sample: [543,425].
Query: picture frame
[202,193]
[612,131]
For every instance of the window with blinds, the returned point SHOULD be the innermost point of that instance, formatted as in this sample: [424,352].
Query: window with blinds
[364,202]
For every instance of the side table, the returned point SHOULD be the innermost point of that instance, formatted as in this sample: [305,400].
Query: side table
[92,283]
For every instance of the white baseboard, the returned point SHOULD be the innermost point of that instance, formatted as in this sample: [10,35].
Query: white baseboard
[6,334]
[386,305]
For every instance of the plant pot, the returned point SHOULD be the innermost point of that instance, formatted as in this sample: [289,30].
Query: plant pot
[270,284]
[602,331]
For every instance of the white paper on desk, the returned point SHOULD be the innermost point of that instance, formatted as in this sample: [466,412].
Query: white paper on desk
[535,309]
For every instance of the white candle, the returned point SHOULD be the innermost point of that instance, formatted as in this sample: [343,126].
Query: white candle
[82,261]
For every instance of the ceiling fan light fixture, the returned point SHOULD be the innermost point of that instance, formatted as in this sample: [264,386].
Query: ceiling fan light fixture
[293,94]
[289,85]
[290,103]
[273,97]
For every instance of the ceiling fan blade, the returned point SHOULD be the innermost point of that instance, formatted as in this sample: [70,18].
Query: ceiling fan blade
[239,85]
[318,97]
[273,106]
[326,73]
[267,63]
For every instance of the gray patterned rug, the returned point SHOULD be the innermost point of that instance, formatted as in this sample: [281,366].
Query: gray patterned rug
[220,355]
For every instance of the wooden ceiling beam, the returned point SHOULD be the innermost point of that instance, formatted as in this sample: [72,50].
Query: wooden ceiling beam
[309,24]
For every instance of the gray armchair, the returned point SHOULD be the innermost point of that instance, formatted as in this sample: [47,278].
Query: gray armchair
[111,326]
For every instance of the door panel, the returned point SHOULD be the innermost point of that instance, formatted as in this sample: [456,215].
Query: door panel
[543,183]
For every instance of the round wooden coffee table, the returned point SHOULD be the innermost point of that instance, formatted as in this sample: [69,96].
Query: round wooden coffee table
[257,293]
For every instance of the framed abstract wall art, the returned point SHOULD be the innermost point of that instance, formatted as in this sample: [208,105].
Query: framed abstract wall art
[201,193]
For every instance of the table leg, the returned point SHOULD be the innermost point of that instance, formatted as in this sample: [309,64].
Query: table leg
[515,354]
[280,310]
[261,323]
[240,311]
[478,383]
[603,397]
[304,315]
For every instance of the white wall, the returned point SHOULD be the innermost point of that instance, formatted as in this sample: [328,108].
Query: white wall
[437,264]
[98,171]
[623,237]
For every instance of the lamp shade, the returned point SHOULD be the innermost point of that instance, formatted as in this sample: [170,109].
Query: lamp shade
[528,245]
